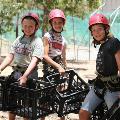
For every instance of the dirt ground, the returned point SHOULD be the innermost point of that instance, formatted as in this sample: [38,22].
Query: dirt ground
[85,69]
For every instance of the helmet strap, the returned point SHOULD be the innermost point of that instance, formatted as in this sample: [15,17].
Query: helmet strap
[56,31]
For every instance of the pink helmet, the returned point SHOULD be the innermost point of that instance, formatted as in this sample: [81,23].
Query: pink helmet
[98,18]
[33,15]
[56,13]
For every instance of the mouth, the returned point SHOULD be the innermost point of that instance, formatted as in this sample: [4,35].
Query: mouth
[98,36]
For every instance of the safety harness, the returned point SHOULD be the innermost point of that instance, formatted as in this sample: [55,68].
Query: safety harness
[101,84]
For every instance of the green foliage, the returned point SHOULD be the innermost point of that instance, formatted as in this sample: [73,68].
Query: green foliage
[93,4]
[10,9]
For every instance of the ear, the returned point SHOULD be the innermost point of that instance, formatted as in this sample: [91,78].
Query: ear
[91,33]
[22,30]
[107,28]
[37,27]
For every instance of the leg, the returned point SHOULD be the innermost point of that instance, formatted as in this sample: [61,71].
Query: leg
[88,106]
[84,115]
[25,119]
[11,116]
[62,118]
[111,97]
[43,118]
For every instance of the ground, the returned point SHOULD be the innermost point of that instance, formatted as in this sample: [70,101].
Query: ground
[85,69]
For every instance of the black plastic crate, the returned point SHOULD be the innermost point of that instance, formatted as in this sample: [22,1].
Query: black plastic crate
[99,112]
[113,113]
[34,102]
[70,92]
[4,89]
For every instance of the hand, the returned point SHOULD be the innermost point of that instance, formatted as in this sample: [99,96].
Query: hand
[61,70]
[22,80]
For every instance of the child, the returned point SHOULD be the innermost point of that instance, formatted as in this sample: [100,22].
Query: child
[55,45]
[26,51]
[107,67]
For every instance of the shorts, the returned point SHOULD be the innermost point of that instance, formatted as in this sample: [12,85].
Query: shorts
[49,69]
[92,100]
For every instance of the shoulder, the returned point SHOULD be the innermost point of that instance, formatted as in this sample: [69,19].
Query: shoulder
[114,45]
[38,40]
[47,34]
[114,41]
[64,40]
[17,39]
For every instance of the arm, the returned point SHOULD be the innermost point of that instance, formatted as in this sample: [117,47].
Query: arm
[117,57]
[48,59]
[7,61]
[30,68]
[64,56]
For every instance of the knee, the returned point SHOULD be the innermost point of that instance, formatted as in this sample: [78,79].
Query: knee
[84,115]
[11,116]
[43,118]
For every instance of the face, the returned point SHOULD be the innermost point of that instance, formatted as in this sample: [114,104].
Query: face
[28,26]
[98,32]
[57,24]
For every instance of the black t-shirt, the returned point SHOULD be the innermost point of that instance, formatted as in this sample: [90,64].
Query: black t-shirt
[106,63]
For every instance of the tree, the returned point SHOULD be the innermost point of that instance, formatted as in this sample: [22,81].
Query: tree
[10,8]
[79,8]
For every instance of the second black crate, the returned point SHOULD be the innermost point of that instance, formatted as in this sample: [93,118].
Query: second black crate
[4,89]
[70,92]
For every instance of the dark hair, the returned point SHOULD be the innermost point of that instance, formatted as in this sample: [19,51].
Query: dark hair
[30,18]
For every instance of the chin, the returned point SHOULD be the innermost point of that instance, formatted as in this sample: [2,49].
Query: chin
[99,39]
[57,30]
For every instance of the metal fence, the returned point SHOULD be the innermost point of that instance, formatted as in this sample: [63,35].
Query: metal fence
[4,47]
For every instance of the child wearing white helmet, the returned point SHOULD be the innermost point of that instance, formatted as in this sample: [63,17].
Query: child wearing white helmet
[26,51]
[106,86]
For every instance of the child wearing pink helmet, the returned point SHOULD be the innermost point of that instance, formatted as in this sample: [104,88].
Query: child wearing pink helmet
[106,86]
[26,51]
[55,45]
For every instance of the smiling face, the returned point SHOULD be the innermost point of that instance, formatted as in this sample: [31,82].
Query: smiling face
[98,32]
[28,26]
[57,24]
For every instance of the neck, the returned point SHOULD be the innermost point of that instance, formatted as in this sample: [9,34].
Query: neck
[30,37]
[57,34]
[56,31]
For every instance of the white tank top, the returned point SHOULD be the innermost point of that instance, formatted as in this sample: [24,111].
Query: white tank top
[56,44]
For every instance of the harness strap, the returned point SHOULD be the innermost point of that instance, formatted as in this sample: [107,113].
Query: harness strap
[111,82]
[99,88]
[19,68]
[107,78]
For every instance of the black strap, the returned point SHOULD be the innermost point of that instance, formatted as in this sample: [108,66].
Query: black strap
[99,88]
